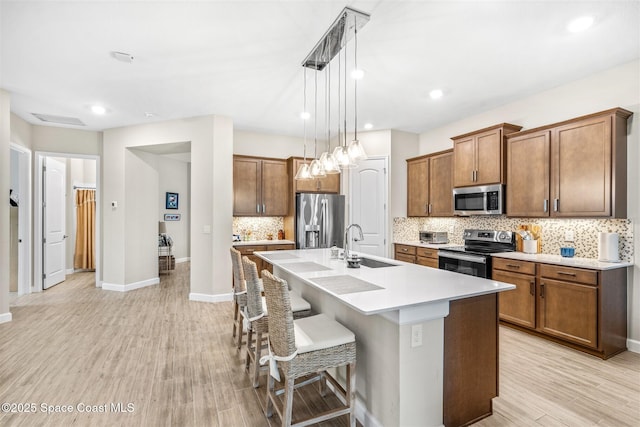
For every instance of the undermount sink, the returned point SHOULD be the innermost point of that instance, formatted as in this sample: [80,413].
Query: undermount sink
[372,263]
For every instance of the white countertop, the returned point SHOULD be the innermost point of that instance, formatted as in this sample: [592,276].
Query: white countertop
[404,286]
[263,242]
[591,263]
[425,245]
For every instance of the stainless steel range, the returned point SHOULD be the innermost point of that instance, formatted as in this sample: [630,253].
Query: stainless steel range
[474,258]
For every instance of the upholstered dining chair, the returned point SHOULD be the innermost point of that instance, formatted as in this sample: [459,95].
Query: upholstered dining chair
[302,347]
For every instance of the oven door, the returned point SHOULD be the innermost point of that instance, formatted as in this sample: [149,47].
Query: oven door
[470,264]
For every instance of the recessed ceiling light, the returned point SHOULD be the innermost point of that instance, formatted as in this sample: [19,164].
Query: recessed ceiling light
[122,57]
[305,115]
[580,24]
[98,109]
[368,126]
[149,114]
[436,94]
[357,74]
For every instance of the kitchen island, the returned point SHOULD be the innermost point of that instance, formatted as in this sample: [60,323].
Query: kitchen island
[427,339]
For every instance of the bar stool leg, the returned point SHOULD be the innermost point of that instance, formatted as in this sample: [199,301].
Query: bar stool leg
[256,359]
[268,411]
[288,402]
[235,317]
[351,393]
[247,359]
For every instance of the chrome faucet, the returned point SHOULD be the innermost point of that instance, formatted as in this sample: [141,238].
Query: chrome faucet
[359,237]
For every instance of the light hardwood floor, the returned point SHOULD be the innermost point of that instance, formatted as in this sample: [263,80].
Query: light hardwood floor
[174,361]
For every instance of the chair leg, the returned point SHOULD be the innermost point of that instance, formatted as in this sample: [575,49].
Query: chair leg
[268,411]
[288,402]
[240,332]
[247,359]
[351,393]
[256,359]
[323,384]
[235,318]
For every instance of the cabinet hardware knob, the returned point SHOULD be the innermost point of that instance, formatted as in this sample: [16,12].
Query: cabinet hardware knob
[532,287]
[429,207]
[546,205]
[258,208]
[513,266]
[541,290]
[264,208]
[473,176]
[556,205]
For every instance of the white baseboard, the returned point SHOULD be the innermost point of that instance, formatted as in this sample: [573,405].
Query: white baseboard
[185,259]
[211,298]
[131,286]
[364,416]
[70,271]
[5,317]
[633,345]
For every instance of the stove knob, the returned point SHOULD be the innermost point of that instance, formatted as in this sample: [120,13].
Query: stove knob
[503,236]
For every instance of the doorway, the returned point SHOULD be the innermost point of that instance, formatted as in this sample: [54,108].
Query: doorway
[368,194]
[20,200]
[55,218]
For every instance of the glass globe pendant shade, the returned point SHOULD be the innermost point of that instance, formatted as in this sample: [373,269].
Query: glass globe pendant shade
[303,172]
[341,154]
[356,151]
[329,163]
[316,170]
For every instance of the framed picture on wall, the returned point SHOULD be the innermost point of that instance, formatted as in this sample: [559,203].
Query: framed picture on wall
[171,201]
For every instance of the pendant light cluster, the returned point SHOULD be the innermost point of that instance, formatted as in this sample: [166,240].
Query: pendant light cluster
[333,43]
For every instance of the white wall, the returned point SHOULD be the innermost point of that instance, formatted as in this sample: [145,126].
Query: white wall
[211,140]
[404,145]
[20,131]
[269,145]
[616,87]
[5,137]
[173,177]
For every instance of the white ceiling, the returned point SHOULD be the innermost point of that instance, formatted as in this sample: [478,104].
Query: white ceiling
[242,59]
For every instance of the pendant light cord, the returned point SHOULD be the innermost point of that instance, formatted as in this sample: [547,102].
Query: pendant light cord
[355,81]
[315,116]
[304,111]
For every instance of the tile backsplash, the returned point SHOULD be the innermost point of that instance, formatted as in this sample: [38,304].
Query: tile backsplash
[259,227]
[553,231]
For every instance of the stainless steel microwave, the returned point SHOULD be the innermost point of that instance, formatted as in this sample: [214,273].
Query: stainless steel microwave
[481,200]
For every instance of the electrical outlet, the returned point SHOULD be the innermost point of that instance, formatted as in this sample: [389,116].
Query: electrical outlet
[416,335]
[568,236]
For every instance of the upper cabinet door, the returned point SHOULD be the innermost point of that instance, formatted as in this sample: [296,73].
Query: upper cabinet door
[246,186]
[528,175]
[464,160]
[418,187]
[489,157]
[581,168]
[440,185]
[275,188]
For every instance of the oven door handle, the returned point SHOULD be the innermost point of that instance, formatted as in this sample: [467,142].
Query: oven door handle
[463,257]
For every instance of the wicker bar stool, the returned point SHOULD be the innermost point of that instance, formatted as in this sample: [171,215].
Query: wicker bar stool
[257,318]
[302,347]
[239,295]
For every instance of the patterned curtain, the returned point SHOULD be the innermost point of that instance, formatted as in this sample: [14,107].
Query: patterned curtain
[85,230]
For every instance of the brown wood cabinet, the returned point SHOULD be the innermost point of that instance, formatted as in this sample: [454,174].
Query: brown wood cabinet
[328,184]
[517,306]
[260,186]
[429,185]
[479,157]
[581,308]
[427,257]
[406,253]
[575,168]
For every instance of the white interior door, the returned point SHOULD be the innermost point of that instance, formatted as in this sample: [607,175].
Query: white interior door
[54,219]
[368,193]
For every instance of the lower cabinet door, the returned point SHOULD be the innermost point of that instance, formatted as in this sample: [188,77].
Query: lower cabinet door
[518,305]
[569,311]
[405,258]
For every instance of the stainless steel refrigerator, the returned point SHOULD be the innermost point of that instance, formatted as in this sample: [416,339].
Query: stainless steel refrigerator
[319,220]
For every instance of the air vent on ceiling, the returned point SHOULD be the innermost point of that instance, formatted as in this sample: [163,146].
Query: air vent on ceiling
[59,119]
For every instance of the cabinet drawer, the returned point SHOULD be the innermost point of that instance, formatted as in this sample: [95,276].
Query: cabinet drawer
[570,274]
[429,262]
[287,247]
[524,267]
[405,258]
[405,249]
[249,249]
[427,252]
